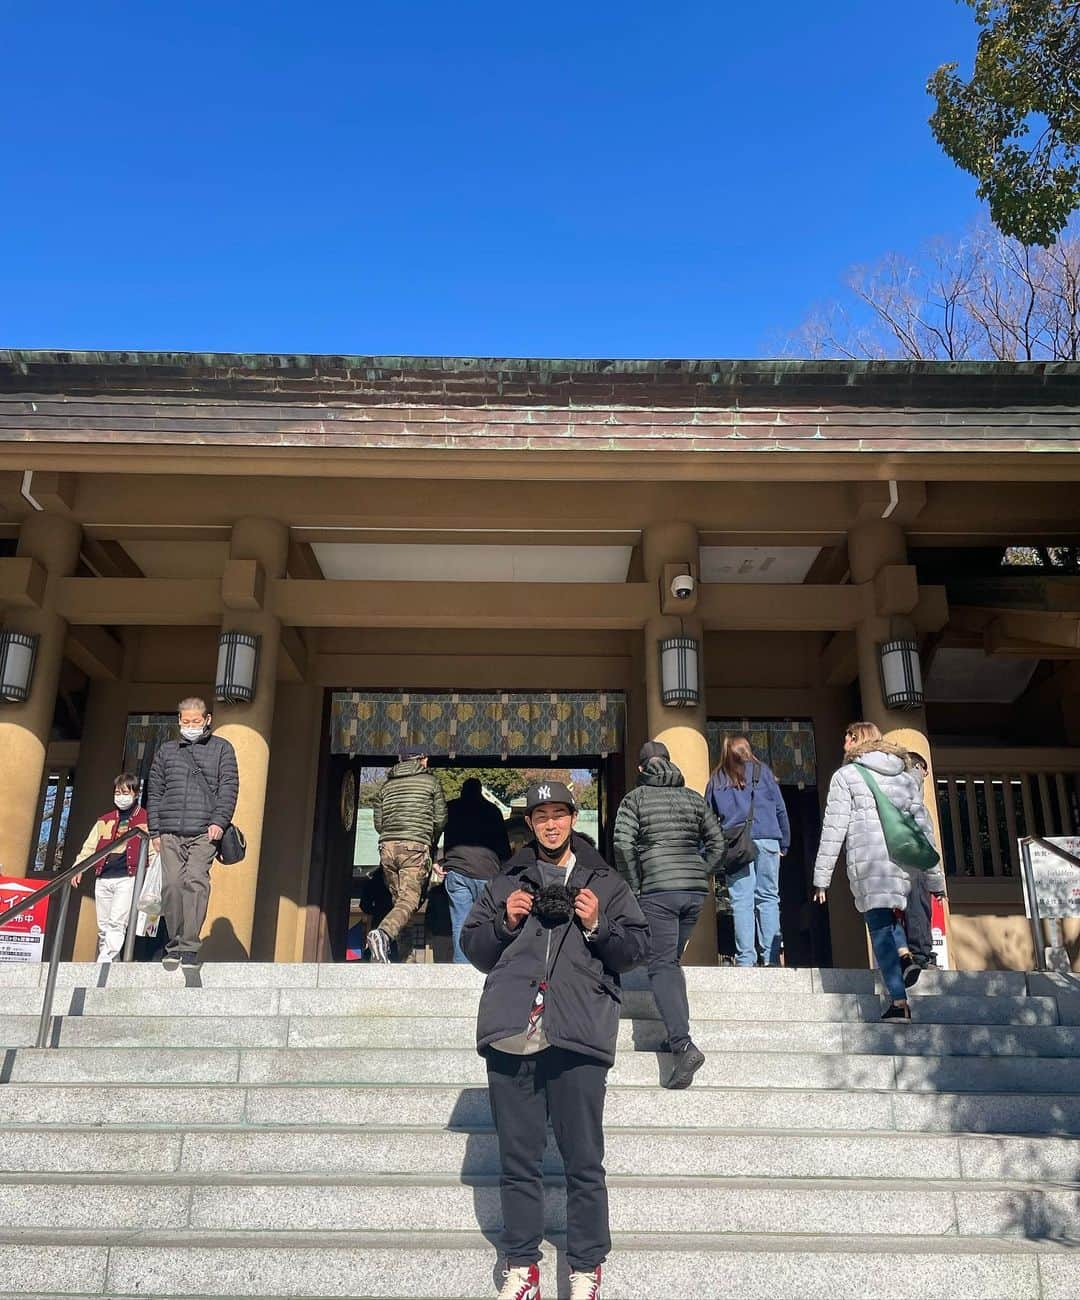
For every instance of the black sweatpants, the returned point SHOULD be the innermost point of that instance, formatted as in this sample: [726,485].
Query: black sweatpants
[525,1092]
[917,919]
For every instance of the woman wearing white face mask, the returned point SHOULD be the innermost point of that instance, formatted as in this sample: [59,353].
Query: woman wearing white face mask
[115,882]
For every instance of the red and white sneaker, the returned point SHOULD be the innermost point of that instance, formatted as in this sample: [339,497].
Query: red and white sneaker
[585,1286]
[521,1283]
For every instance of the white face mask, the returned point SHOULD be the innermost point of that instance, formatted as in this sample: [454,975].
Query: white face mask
[123,801]
[192,733]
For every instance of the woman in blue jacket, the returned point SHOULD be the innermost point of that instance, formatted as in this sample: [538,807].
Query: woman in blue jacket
[754,889]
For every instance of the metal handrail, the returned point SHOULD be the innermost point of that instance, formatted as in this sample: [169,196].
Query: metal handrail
[62,878]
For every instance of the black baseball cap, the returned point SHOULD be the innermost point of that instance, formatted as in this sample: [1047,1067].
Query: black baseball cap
[652,749]
[549,792]
[411,751]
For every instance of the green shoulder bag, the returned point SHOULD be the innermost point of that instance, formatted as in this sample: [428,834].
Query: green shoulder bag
[904,838]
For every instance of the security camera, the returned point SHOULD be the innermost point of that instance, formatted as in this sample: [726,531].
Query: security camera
[682,586]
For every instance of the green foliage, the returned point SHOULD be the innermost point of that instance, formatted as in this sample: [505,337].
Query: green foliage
[503,782]
[1015,125]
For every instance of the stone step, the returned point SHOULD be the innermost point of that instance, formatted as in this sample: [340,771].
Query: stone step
[463,1066]
[431,1203]
[344,1105]
[462,1003]
[792,1037]
[362,975]
[462,1266]
[299,1151]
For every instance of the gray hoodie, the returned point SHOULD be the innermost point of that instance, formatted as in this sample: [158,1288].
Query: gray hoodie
[852,823]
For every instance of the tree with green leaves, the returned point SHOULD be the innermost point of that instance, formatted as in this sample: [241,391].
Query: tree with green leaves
[1015,124]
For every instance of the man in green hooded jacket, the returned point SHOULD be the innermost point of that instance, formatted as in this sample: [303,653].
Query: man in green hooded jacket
[410,813]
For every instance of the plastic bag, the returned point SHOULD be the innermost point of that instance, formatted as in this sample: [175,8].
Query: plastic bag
[150,898]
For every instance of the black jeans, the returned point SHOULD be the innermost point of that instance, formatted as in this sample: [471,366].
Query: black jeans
[525,1092]
[917,919]
[672,915]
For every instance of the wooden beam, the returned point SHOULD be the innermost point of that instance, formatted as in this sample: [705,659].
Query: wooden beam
[53,490]
[839,660]
[92,649]
[1019,633]
[311,603]
[293,656]
[22,582]
[119,602]
[303,562]
[108,559]
[896,589]
[780,607]
[303,603]
[474,672]
[243,585]
[829,568]
[931,612]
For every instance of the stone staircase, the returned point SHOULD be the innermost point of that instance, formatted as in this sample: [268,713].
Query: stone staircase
[249,1130]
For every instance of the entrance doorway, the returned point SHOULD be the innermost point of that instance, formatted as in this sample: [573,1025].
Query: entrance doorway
[365,729]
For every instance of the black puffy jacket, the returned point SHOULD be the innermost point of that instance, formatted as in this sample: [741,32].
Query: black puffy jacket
[666,836]
[178,803]
[581,1011]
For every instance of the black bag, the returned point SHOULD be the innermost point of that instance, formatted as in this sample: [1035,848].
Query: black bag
[232,847]
[739,847]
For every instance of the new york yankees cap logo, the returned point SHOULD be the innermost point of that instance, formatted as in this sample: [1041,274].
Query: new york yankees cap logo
[549,792]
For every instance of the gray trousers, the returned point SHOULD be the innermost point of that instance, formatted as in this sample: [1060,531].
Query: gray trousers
[185,888]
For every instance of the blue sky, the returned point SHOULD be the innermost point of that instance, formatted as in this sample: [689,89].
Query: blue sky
[685,179]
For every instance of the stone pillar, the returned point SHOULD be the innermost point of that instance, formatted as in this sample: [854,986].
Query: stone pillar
[681,729]
[52,540]
[257,555]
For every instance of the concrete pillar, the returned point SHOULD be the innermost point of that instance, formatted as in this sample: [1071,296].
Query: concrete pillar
[681,729]
[53,541]
[230,919]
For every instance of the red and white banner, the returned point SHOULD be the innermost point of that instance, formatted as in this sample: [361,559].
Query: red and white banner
[22,937]
[937,929]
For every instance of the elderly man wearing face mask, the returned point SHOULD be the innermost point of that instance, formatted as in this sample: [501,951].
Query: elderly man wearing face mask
[193,788]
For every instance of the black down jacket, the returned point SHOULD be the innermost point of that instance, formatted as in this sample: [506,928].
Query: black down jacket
[410,805]
[581,1011]
[177,802]
[666,836]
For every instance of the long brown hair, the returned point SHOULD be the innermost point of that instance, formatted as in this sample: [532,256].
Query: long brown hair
[735,753]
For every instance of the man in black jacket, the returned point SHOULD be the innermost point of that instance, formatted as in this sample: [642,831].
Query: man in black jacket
[192,792]
[475,845]
[554,930]
[667,844]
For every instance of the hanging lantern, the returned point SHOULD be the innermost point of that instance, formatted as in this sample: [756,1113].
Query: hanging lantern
[901,674]
[18,650]
[679,672]
[237,666]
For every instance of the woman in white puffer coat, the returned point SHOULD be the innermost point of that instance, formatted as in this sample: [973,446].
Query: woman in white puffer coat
[880,887]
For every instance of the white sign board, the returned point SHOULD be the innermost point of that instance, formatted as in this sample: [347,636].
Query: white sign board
[1057,881]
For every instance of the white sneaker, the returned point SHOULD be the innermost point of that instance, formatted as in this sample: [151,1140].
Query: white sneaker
[585,1286]
[521,1283]
[379,946]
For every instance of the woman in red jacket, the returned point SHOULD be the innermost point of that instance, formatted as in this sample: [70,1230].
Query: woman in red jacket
[115,882]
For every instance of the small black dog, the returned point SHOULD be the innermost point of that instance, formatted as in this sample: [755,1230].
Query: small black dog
[554,904]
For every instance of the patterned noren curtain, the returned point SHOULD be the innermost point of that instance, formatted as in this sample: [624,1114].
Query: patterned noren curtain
[560,725]
[786,745]
[146,733]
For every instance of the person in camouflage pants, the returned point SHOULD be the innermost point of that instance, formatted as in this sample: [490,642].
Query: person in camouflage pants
[410,814]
